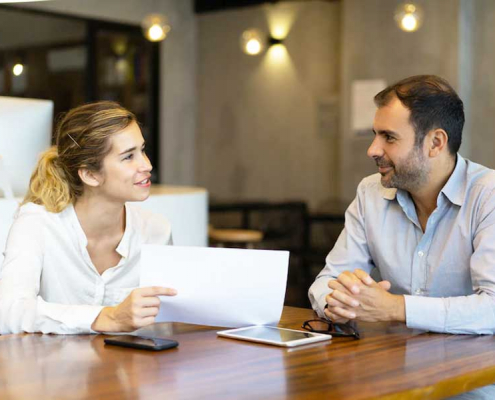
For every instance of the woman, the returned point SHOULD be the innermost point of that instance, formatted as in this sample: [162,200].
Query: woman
[72,256]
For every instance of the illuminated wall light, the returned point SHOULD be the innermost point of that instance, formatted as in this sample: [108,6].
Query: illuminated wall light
[252,42]
[281,16]
[18,69]
[409,17]
[155,27]
[278,52]
[279,33]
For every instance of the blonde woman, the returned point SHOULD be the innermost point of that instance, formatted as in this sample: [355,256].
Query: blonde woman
[72,256]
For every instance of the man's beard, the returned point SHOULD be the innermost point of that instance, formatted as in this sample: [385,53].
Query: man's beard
[409,174]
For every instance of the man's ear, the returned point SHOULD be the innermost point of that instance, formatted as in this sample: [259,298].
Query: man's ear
[89,178]
[437,140]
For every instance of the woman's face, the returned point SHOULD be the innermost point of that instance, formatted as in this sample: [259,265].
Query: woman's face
[126,170]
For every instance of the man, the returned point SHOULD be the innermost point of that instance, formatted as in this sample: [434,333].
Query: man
[426,223]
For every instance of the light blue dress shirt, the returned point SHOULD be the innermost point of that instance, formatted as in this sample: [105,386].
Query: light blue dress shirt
[447,273]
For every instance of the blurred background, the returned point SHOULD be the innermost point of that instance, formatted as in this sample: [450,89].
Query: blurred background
[265,104]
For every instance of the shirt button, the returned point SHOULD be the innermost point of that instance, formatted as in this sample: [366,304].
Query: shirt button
[420,253]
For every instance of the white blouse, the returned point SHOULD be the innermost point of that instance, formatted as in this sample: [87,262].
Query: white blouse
[48,283]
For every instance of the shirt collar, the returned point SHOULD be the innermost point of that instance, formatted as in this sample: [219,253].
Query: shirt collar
[125,243]
[454,189]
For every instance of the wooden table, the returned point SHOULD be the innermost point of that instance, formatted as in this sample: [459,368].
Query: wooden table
[390,361]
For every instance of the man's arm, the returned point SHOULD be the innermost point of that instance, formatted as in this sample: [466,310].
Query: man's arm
[350,252]
[470,314]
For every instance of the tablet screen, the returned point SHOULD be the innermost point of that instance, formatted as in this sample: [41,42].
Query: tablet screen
[270,333]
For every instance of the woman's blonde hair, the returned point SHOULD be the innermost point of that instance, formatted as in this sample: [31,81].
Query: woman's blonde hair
[81,142]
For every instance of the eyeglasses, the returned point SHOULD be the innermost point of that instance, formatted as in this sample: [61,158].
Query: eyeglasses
[331,328]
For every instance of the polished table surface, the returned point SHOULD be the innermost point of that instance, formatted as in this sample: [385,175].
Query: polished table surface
[390,361]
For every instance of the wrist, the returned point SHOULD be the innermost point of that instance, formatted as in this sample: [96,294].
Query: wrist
[399,313]
[105,321]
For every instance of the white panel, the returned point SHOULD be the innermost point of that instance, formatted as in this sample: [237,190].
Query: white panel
[25,131]
[187,212]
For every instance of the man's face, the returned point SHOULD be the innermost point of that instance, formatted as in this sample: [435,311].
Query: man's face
[402,164]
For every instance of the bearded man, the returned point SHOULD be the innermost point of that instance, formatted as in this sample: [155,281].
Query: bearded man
[426,223]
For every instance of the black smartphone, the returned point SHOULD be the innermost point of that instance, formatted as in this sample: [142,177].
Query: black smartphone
[141,342]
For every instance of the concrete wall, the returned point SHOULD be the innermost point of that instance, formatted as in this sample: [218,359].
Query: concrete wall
[178,73]
[267,129]
[481,123]
[267,125]
[373,47]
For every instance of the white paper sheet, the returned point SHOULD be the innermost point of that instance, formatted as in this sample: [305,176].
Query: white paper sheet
[217,286]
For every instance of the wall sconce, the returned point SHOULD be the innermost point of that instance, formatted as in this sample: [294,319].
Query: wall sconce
[155,27]
[253,42]
[409,17]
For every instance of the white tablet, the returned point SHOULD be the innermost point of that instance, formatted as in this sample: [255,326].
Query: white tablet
[275,336]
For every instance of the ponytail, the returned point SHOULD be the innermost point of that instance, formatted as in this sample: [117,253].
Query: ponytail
[49,185]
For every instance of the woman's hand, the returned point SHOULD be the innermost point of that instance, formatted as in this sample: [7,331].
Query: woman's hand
[138,310]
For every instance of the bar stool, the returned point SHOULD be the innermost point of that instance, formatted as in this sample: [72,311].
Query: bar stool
[234,237]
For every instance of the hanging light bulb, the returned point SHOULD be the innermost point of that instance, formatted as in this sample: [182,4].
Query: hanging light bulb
[252,42]
[17,69]
[409,17]
[155,27]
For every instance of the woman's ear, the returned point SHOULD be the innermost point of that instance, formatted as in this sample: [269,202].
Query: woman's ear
[90,178]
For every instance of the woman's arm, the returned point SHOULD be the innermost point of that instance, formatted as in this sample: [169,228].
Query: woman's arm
[21,307]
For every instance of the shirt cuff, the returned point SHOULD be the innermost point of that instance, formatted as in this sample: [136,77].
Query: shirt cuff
[317,294]
[426,313]
[69,319]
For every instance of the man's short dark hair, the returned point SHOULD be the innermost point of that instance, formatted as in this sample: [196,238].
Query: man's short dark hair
[433,105]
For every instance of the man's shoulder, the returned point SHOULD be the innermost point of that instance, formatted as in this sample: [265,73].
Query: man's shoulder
[479,175]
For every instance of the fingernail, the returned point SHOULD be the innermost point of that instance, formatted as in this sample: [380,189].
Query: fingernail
[352,315]
[355,303]
[355,289]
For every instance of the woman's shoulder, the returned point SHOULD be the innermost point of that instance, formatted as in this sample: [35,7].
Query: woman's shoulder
[153,226]
[37,211]
[32,211]
[33,219]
